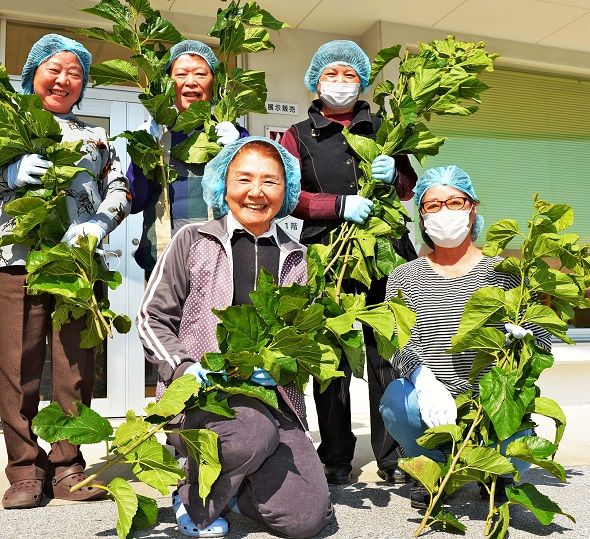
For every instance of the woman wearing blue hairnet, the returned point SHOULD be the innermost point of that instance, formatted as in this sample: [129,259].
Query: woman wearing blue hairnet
[192,67]
[56,70]
[339,71]
[436,287]
[270,470]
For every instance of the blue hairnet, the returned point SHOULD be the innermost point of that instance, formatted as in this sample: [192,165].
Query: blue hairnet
[214,185]
[48,46]
[340,51]
[192,46]
[453,176]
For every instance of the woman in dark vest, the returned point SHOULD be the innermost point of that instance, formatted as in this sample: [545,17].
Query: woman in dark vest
[339,72]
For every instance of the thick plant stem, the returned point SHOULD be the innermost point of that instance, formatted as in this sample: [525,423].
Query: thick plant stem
[343,270]
[345,239]
[476,420]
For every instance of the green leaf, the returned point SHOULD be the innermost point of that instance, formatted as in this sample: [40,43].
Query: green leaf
[536,451]
[155,466]
[482,360]
[549,408]
[239,387]
[503,521]
[127,505]
[146,515]
[196,149]
[502,401]
[486,459]
[544,316]
[261,17]
[384,56]
[405,319]
[501,233]
[449,520]
[216,403]
[246,330]
[202,446]
[310,319]
[339,325]
[256,40]
[364,147]
[114,72]
[112,10]
[484,306]
[537,503]
[174,398]
[436,436]
[84,426]
[485,339]
[425,470]
[381,319]
[194,117]
[160,107]
[131,430]
[159,29]
[561,215]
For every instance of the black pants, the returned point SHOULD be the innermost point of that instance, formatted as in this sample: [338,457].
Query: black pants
[334,412]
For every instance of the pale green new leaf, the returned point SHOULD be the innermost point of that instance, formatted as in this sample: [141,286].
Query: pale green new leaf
[544,316]
[549,408]
[384,56]
[425,470]
[202,446]
[174,398]
[487,460]
[154,465]
[127,505]
[114,72]
[364,147]
[436,436]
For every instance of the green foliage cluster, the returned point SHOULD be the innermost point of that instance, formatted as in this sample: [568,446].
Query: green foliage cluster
[292,332]
[437,80]
[508,370]
[139,28]
[41,218]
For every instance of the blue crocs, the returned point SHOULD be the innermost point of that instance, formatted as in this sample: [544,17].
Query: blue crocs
[218,528]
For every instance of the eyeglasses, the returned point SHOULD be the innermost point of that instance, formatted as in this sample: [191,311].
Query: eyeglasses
[453,203]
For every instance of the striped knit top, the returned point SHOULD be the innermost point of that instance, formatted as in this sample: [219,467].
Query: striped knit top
[438,303]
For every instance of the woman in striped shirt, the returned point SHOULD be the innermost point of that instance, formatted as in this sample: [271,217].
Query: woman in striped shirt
[437,287]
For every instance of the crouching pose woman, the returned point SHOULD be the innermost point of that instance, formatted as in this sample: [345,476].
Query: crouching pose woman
[270,470]
[437,287]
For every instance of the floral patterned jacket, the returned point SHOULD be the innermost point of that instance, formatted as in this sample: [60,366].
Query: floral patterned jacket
[101,194]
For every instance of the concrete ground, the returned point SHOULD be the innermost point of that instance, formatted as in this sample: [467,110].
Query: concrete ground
[368,508]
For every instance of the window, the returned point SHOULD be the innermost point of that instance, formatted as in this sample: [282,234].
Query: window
[531,134]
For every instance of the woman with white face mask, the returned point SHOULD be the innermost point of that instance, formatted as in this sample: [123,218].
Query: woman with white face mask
[339,72]
[437,287]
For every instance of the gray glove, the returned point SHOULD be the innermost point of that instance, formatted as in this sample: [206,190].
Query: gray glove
[27,170]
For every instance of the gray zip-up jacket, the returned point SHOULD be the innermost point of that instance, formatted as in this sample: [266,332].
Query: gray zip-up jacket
[193,276]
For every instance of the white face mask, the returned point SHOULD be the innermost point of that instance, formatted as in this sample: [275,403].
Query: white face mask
[339,95]
[447,228]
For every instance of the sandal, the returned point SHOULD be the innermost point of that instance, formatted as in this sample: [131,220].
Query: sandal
[218,528]
[23,494]
[61,484]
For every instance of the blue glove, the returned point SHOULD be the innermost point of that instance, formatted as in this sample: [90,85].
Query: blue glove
[200,373]
[262,377]
[383,168]
[27,170]
[357,208]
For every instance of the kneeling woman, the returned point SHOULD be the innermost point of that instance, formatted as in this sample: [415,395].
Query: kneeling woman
[437,287]
[270,470]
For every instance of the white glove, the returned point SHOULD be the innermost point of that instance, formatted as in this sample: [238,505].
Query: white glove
[227,133]
[89,228]
[28,169]
[517,332]
[437,406]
